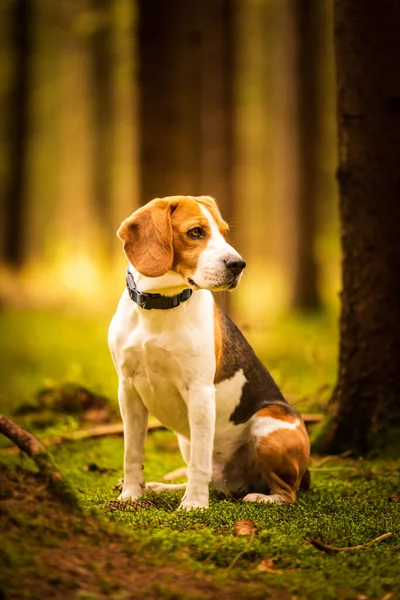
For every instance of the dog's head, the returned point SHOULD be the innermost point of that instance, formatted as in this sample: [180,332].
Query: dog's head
[184,235]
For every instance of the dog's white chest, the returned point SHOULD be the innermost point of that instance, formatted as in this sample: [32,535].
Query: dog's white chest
[163,353]
[159,379]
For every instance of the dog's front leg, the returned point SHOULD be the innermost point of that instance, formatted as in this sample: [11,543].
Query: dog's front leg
[135,417]
[201,413]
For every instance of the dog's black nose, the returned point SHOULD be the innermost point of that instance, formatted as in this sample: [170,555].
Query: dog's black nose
[236,265]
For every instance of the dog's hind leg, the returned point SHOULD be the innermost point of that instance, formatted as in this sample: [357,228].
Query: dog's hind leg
[282,458]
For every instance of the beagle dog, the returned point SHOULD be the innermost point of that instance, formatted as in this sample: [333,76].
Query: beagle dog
[180,358]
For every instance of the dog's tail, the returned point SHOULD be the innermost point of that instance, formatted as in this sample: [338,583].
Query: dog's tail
[305,482]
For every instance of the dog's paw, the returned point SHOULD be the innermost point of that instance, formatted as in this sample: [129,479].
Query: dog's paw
[193,504]
[264,498]
[131,493]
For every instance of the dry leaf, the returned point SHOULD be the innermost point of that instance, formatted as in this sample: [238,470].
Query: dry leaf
[394,498]
[267,565]
[244,527]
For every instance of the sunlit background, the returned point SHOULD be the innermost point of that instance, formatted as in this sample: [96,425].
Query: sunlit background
[108,103]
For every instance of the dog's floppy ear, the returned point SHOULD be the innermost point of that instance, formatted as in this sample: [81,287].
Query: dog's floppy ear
[147,238]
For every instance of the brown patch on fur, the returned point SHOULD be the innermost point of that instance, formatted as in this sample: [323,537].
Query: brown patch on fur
[155,236]
[217,341]
[276,412]
[282,458]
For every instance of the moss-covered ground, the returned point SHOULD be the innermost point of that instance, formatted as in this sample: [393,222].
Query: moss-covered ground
[155,550]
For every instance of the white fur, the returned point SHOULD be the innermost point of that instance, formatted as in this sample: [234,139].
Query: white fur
[165,361]
[264,426]
[211,269]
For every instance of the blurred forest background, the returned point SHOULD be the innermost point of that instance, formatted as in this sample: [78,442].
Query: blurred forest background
[106,104]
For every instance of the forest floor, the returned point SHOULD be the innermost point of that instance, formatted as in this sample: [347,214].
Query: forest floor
[119,551]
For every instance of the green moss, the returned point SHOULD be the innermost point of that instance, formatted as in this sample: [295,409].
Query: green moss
[349,504]
[351,501]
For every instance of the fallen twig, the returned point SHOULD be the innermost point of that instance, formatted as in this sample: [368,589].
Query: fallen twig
[327,548]
[358,469]
[324,459]
[333,469]
[35,449]
[312,419]
[83,434]
[233,563]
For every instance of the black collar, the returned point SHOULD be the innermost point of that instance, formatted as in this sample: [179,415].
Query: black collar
[149,301]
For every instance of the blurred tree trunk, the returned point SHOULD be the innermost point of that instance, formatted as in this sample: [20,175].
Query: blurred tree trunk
[43,143]
[367,396]
[308,28]
[103,114]
[125,195]
[170,98]
[76,226]
[18,121]
[216,91]
[216,169]
[298,115]
[6,60]
[185,54]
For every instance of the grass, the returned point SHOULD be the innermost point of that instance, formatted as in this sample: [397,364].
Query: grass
[351,501]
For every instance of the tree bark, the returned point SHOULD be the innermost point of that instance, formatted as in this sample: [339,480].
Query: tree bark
[367,396]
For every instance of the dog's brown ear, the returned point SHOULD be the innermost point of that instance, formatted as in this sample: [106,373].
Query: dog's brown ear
[147,238]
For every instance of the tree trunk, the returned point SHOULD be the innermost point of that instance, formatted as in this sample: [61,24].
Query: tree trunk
[18,111]
[125,194]
[308,29]
[216,81]
[42,179]
[367,396]
[185,53]
[103,116]
[298,117]
[74,230]
[170,98]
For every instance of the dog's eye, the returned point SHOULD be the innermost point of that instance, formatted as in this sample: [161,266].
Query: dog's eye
[195,233]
